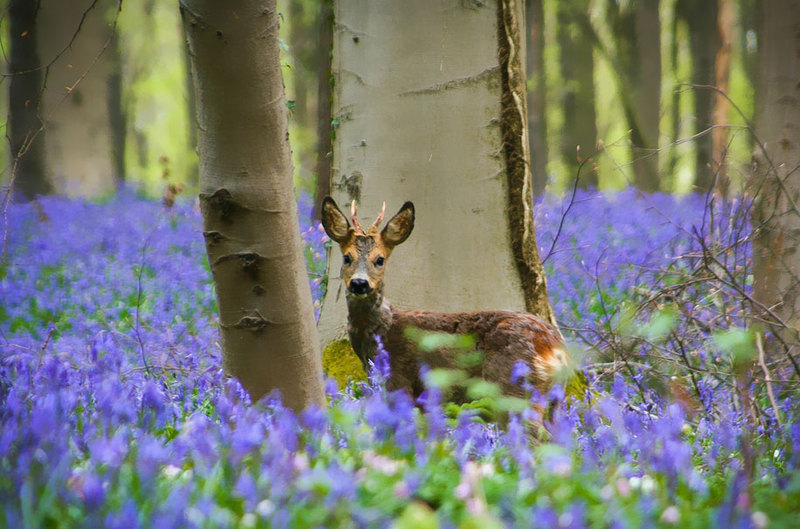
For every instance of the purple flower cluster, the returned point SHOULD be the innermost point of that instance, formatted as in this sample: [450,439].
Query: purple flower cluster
[115,411]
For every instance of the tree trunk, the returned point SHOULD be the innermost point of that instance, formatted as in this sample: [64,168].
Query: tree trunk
[249,212]
[74,41]
[776,257]
[537,124]
[324,140]
[577,68]
[27,144]
[437,116]
[701,17]
[647,94]
[637,64]
[722,70]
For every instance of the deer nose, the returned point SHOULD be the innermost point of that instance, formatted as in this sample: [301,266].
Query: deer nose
[359,286]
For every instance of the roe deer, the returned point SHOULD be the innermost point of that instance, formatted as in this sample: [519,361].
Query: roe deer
[504,337]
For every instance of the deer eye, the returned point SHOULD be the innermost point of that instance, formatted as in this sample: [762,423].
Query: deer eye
[347,259]
[379,261]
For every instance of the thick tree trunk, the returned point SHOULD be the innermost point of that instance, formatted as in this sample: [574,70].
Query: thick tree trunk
[437,115]
[776,248]
[577,67]
[249,212]
[75,40]
[26,141]
[537,124]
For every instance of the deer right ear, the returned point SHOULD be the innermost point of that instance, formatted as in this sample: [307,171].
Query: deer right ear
[334,221]
[399,227]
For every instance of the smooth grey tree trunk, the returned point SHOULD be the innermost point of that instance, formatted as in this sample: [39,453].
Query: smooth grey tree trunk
[252,234]
[429,106]
[776,247]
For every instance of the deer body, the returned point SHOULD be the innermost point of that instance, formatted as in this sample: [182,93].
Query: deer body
[503,337]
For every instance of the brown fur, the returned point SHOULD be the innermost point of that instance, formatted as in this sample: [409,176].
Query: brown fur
[504,337]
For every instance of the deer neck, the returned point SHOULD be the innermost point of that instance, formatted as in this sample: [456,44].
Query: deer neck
[367,316]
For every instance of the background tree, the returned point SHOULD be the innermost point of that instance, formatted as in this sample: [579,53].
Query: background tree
[324,89]
[75,42]
[577,92]
[701,18]
[448,133]
[537,124]
[26,142]
[249,212]
[632,45]
[776,261]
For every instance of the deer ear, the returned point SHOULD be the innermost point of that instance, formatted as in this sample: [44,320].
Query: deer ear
[334,221]
[399,227]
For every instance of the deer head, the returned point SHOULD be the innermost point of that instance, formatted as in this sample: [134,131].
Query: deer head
[364,253]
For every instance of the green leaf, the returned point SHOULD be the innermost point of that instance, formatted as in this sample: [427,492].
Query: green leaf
[738,342]
[659,326]
[417,515]
[478,388]
[444,378]
[431,341]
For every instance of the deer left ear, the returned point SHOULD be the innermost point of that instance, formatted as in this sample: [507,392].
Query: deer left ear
[334,221]
[399,227]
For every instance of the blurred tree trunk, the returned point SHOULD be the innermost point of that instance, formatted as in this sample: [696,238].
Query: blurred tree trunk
[116,115]
[537,124]
[247,200]
[27,144]
[701,17]
[577,68]
[637,62]
[324,132]
[75,42]
[444,126]
[776,247]
[301,44]
[722,70]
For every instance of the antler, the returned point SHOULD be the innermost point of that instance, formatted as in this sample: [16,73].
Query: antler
[357,225]
[354,218]
[378,219]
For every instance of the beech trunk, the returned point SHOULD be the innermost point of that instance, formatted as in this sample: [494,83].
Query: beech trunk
[776,255]
[249,211]
[430,106]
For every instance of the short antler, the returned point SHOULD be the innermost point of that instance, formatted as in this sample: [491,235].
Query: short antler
[354,219]
[378,219]
[357,225]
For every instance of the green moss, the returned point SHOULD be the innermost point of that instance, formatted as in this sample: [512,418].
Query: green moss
[341,363]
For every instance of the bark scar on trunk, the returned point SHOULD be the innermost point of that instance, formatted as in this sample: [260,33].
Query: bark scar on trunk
[253,322]
[489,74]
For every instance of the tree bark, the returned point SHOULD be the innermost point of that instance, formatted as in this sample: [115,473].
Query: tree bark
[74,40]
[637,63]
[249,212]
[27,143]
[722,70]
[577,68]
[537,124]
[437,116]
[324,140]
[776,256]
[701,17]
